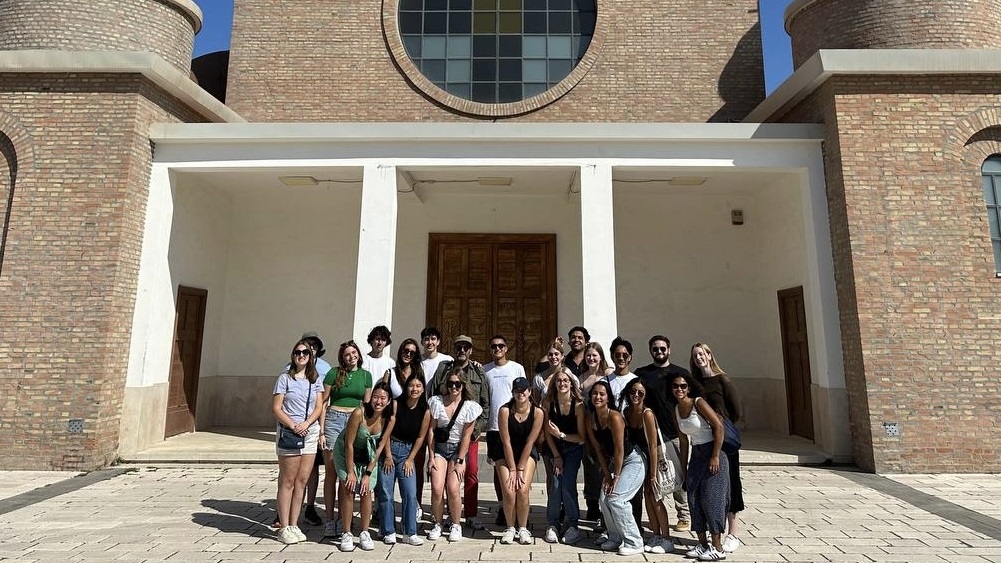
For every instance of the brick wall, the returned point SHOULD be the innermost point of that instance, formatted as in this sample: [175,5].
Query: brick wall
[67,288]
[158,26]
[919,303]
[682,61]
[894,24]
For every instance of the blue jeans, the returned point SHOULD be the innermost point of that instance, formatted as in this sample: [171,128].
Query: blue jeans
[563,489]
[615,506]
[408,492]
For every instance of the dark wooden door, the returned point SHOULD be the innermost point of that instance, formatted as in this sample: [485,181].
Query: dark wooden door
[796,357]
[483,284]
[185,360]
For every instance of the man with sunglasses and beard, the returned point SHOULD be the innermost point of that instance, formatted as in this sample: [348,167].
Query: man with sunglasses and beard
[479,390]
[657,377]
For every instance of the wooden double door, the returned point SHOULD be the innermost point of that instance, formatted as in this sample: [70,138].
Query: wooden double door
[486,284]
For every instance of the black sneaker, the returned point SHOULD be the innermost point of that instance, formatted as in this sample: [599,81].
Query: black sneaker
[311,517]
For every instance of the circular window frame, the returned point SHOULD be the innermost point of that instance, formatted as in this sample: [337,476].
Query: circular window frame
[391,32]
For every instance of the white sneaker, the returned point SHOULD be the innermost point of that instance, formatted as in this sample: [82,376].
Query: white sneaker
[435,532]
[712,554]
[508,535]
[730,543]
[287,536]
[413,540]
[389,539]
[455,533]
[329,529]
[420,513]
[347,542]
[524,536]
[298,533]
[365,541]
[475,524]
[571,536]
[551,535]
[697,551]
[630,550]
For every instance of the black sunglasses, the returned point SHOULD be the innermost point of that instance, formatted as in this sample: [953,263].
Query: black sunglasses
[301,352]
[454,385]
[679,386]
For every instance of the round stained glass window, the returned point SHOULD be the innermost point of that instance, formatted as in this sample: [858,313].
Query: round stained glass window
[496,51]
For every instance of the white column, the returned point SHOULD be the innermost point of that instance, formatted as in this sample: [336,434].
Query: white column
[376,252]
[598,251]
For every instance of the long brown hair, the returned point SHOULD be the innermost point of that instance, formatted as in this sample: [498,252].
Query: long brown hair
[552,391]
[713,366]
[342,368]
[311,372]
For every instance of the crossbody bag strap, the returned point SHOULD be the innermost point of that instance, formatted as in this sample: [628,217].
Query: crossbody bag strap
[455,416]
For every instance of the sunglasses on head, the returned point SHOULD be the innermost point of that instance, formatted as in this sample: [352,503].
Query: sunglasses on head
[301,352]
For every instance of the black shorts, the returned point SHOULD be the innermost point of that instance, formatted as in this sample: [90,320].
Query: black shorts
[495,450]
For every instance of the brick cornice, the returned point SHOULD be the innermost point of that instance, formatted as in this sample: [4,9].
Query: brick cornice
[150,65]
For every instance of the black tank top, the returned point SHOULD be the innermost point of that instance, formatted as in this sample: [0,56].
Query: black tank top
[567,423]
[518,432]
[604,437]
[637,435]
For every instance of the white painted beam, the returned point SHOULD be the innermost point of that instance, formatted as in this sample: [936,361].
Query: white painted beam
[598,251]
[376,251]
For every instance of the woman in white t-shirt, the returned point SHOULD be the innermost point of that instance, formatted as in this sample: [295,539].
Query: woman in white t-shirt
[453,416]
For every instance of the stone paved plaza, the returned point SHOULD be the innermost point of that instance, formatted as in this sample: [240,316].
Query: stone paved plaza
[220,513]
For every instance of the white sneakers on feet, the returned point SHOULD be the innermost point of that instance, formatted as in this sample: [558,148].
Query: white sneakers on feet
[730,543]
[712,554]
[298,533]
[654,546]
[389,539]
[435,532]
[347,542]
[413,540]
[508,535]
[455,533]
[696,551]
[630,550]
[524,536]
[365,541]
[552,536]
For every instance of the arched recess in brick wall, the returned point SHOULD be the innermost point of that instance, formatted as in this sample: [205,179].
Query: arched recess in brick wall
[16,157]
[974,150]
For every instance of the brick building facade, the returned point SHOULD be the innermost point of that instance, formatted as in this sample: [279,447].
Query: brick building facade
[859,178]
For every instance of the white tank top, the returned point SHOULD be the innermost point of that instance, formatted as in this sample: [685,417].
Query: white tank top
[694,426]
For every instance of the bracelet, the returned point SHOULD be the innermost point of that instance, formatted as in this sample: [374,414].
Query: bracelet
[521,469]
[368,473]
[563,436]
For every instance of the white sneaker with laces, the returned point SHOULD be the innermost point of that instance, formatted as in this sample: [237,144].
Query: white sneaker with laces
[413,540]
[712,554]
[508,535]
[347,542]
[552,536]
[731,543]
[455,533]
[630,550]
[298,533]
[435,532]
[696,551]
[287,536]
[389,539]
[524,536]
[365,541]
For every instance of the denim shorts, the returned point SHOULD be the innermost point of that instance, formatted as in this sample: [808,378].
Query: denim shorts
[333,425]
[447,450]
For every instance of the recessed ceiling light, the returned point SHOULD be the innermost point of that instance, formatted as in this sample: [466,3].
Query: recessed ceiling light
[494,180]
[687,180]
[298,181]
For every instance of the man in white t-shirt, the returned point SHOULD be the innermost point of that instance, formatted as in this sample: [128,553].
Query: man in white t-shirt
[431,339]
[622,355]
[379,361]
[500,374]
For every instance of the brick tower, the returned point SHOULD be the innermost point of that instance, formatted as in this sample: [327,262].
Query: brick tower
[80,85]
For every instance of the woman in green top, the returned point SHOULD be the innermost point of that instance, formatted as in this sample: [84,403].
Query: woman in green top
[357,452]
[345,388]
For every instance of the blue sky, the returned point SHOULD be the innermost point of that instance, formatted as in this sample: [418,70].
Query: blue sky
[778,58]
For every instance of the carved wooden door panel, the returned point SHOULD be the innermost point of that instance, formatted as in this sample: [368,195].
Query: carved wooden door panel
[185,360]
[481,285]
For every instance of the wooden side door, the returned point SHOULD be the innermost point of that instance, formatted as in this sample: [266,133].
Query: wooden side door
[796,360]
[483,284]
[186,357]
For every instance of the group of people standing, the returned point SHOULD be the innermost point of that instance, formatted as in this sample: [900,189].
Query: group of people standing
[428,410]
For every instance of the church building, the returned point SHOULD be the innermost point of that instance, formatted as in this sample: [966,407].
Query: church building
[514,167]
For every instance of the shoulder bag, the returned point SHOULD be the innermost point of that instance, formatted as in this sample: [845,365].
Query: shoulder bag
[287,438]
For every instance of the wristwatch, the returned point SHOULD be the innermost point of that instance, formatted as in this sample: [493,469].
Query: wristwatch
[460,461]
[368,473]
[563,436]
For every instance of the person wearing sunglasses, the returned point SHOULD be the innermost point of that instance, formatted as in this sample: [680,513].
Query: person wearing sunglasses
[657,377]
[408,363]
[622,356]
[641,424]
[296,406]
[479,393]
[500,374]
[454,415]
[705,472]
